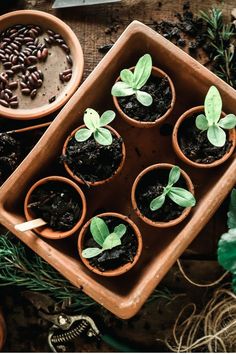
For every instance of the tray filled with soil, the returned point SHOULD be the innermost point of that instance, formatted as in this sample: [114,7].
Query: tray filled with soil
[125,294]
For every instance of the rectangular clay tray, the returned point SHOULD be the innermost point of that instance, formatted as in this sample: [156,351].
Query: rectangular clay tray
[126,294]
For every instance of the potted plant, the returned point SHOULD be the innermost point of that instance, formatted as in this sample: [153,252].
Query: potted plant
[204,136]
[94,153]
[59,202]
[162,195]
[144,95]
[110,244]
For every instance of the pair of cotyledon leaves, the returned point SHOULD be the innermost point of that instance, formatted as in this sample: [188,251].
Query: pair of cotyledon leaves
[103,237]
[211,121]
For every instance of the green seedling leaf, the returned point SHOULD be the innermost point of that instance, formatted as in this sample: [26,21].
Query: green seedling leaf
[111,241]
[213,105]
[231,222]
[103,136]
[227,251]
[181,197]
[107,117]
[228,122]
[99,230]
[157,202]
[216,136]
[144,98]
[83,134]
[201,122]
[91,119]
[120,230]
[127,76]
[174,176]
[142,71]
[122,89]
[91,252]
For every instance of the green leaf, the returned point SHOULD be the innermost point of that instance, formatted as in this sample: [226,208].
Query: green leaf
[107,117]
[127,76]
[181,197]
[103,136]
[83,134]
[91,252]
[201,122]
[157,202]
[231,222]
[142,71]
[227,250]
[120,230]
[91,119]
[228,122]
[213,105]
[121,89]
[144,98]
[111,241]
[174,176]
[216,136]
[99,230]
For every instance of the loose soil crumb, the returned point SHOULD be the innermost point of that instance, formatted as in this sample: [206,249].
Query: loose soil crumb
[160,91]
[10,155]
[195,145]
[58,204]
[118,256]
[150,187]
[91,161]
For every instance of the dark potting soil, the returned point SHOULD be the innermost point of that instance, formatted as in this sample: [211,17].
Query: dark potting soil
[91,161]
[195,145]
[118,256]
[160,91]
[58,204]
[150,187]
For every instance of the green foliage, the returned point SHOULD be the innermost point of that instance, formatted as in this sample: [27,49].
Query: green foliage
[211,121]
[95,124]
[231,222]
[132,82]
[103,237]
[178,195]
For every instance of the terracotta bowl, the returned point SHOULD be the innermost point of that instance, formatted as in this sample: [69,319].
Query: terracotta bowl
[180,154]
[97,183]
[160,224]
[123,269]
[140,124]
[46,231]
[2,331]
[47,21]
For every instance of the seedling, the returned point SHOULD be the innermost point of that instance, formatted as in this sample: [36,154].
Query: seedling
[178,195]
[132,82]
[103,237]
[211,121]
[94,126]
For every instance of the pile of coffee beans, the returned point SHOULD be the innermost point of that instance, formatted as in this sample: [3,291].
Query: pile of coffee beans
[22,47]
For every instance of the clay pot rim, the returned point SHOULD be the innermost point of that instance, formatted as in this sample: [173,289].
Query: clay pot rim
[122,269]
[180,154]
[29,114]
[97,183]
[160,224]
[51,234]
[141,124]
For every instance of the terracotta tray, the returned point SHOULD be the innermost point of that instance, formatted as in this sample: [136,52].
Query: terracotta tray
[126,294]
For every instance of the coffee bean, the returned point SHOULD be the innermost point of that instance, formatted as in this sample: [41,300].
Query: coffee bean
[9,92]
[7,65]
[2,94]
[66,48]
[44,53]
[52,99]
[69,60]
[39,54]
[47,41]
[16,68]
[26,91]
[4,103]
[60,41]
[32,59]
[67,77]
[14,46]
[14,104]
[68,71]
[28,39]
[52,39]
[13,85]
[34,76]
[14,60]
[61,77]
[6,97]
[40,82]
[32,68]
[23,85]
[13,98]
[8,51]
[10,72]
[33,94]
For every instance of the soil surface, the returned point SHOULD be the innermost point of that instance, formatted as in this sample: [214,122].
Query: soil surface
[195,145]
[91,161]
[150,187]
[118,256]
[58,204]
[160,91]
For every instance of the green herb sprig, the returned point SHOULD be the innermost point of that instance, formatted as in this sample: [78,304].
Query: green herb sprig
[94,126]
[103,237]
[178,195]
[132,82]
[211,121]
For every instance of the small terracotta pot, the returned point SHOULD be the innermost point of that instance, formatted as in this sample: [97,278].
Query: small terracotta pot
[125,267]
[160,224]
[2,331]
[140,124]
[46,231]
[180,154]
[97,183]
